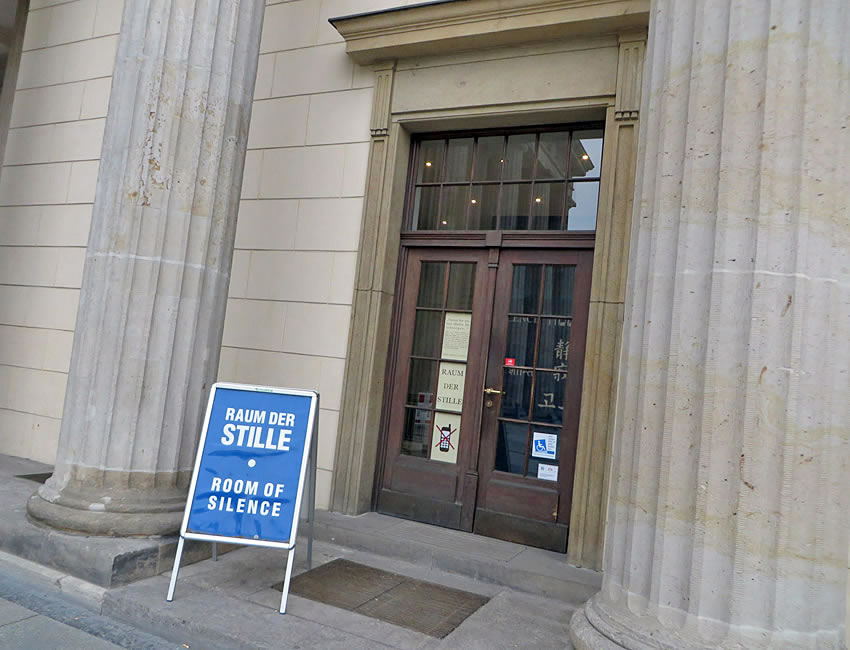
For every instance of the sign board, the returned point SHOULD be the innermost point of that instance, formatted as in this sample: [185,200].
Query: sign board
[547,472]
[445,436]
[250,470]
[544,445]
[450,386]
[456,336]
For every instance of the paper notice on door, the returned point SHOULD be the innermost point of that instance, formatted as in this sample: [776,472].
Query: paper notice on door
[450,386]
[547,472]
[444,437]
[456,336]
[544,445]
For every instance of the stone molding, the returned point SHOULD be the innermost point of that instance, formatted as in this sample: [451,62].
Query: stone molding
[630,75]
[363,392]
[605,318]
[380,118]
[439,27]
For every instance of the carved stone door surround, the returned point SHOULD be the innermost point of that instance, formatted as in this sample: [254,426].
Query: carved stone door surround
[395,43]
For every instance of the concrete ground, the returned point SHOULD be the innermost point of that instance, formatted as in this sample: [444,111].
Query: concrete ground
[231,604]
[232,601]
[34,614]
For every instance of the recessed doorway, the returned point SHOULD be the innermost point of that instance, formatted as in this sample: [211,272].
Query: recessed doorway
[490,324]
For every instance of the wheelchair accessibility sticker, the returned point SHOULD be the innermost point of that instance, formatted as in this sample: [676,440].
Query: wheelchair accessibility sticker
[545,445]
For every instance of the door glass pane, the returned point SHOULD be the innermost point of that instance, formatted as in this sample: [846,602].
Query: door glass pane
[554,343]
[545,450]
[417,432]
[582,200]
[552,155]
[426,334]
[459,159]
[431,284]
[519,181]
[483,207]
[490,158]
[549,397]
[525,290]
[558,283]
[455,201]
[510,447]
[519,158]
[515,205]
[430,161]
[420,387]
[425,208]
[522,333]
[535,368]
[517,392]
[586,154]
[461,285]
[547,206]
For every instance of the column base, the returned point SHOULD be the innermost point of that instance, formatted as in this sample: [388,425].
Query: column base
[600,625]
[603,625]
[109,511]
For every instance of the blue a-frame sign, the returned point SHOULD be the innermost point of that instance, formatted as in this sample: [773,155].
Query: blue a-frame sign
[248,481]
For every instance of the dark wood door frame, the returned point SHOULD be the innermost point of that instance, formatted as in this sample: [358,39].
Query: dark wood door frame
[440,487]
[532,500]
[464,516]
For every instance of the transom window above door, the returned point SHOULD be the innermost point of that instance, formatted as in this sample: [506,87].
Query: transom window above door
[545,179]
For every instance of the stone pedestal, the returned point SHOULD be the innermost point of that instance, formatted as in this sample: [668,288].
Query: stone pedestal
[728,510]
[157,267]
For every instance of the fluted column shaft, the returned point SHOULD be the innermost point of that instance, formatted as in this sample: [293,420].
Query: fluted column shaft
[729,509]
[157,267]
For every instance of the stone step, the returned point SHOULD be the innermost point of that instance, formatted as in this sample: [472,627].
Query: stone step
[514,566]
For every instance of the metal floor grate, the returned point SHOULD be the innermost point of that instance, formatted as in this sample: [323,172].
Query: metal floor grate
[422,606]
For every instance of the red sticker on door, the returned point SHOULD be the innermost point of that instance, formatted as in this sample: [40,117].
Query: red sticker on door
[510,362]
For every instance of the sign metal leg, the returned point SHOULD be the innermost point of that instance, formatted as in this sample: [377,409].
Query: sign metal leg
[215,551]
[284,596]
[177,557]
[311,504]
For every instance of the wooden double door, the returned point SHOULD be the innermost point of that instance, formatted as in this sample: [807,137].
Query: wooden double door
[485,380]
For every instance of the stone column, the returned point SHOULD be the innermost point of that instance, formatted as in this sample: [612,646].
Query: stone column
[157,268]
[729,505]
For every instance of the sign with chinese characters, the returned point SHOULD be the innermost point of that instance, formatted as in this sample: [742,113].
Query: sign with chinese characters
[444,437]
[450,384]
[456,336]
[544,445]
[561,351]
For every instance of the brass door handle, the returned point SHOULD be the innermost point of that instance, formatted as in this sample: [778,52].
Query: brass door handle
[493,391]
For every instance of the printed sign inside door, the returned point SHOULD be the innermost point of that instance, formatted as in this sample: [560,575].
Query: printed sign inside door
[444,437]
[544,445]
